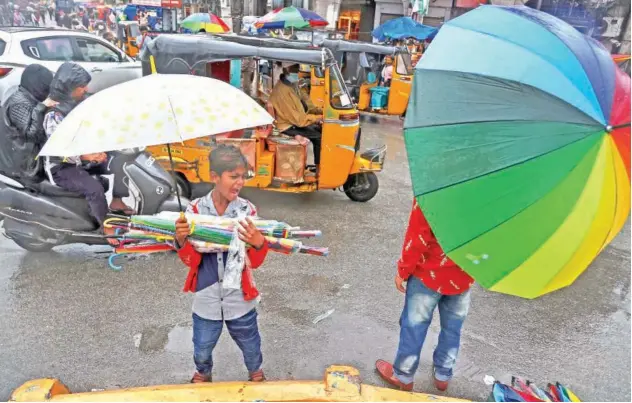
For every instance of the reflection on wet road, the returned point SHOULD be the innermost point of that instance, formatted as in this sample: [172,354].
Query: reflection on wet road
[65,314]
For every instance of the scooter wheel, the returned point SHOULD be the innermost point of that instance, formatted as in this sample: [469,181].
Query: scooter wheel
[31,245]
[183,186]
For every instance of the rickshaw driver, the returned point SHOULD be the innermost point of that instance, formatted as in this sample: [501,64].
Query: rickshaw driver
[293,116]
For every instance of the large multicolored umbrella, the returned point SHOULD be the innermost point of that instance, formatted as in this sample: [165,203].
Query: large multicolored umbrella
[290,17]
[518,138]
[209,22]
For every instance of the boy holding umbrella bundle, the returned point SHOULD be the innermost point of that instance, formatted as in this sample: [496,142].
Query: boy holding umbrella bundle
[215,303]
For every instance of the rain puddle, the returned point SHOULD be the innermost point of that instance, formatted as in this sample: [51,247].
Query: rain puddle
[175,339]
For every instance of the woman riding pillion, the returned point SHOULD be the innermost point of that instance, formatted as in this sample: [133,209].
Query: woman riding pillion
[24,113]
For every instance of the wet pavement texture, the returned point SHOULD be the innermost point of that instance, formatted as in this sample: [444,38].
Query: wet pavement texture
[65,314]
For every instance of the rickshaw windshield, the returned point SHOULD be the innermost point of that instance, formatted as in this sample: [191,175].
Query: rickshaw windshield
[339,98]
[404,64]
[319,72]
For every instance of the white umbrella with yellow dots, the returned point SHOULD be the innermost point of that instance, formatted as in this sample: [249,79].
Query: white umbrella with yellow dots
[155,109]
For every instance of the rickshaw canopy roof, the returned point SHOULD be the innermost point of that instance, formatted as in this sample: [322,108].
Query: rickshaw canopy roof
[194,49]
[267,42]
[338,45]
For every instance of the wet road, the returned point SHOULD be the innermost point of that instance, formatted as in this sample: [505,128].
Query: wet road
[64,314]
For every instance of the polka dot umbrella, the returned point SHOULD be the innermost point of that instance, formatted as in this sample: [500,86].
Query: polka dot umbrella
[155,109]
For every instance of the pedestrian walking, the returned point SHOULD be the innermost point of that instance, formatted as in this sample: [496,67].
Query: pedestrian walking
[432,281]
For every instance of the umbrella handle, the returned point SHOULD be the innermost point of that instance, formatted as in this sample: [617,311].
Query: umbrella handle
[175,182]
[152,63]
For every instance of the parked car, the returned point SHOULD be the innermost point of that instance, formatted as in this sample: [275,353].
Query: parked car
[50,47]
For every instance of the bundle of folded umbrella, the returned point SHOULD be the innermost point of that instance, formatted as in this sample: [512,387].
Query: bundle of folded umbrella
[526,391]
[156,233]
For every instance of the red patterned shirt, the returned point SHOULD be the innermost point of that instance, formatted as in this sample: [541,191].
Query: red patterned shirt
[423,258]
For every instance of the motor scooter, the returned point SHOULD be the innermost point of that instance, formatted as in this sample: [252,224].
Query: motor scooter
[40,216]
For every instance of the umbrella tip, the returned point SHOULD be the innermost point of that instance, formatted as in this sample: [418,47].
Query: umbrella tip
[608,128]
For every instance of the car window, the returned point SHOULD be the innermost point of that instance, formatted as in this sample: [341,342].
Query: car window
[94,51]
[52,49]
[3,45]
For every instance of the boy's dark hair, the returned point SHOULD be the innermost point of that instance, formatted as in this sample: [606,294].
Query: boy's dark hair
[225,158]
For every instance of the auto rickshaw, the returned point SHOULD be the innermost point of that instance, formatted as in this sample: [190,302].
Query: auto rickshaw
[341,165]
[127,32]
[361,64]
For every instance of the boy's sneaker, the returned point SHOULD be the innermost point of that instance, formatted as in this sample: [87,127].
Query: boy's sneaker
[385,370]
[256,376]
[199,378]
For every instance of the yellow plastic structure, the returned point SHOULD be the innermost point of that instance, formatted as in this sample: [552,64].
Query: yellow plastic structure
[341,383]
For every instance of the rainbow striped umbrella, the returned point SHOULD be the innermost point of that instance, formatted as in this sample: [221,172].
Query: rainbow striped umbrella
[290,17]
[518,138]
[209,22]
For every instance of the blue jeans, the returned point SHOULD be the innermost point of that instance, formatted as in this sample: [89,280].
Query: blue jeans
[414,322]
[243,330]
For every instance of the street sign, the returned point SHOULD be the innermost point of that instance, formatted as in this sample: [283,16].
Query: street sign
[172,3]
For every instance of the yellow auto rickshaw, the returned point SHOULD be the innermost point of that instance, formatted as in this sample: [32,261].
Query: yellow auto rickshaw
[126,33]
[277,162]
[361,65]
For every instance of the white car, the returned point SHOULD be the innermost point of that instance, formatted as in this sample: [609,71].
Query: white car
[51,47]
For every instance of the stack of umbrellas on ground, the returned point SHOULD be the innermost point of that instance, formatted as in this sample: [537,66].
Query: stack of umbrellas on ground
[155,233]
[526,391]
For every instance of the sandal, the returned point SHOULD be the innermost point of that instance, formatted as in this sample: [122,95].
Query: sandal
[128,211]
[199,378]
[256,376]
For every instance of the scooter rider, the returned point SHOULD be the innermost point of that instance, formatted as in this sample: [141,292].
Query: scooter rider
[69,87]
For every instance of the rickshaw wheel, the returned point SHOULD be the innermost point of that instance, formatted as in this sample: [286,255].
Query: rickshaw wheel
[361,187]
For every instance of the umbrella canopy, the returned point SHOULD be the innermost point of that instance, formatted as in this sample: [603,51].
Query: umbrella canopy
[155,109]
[518,139]
[403,28]
[209,22]
[290,17]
